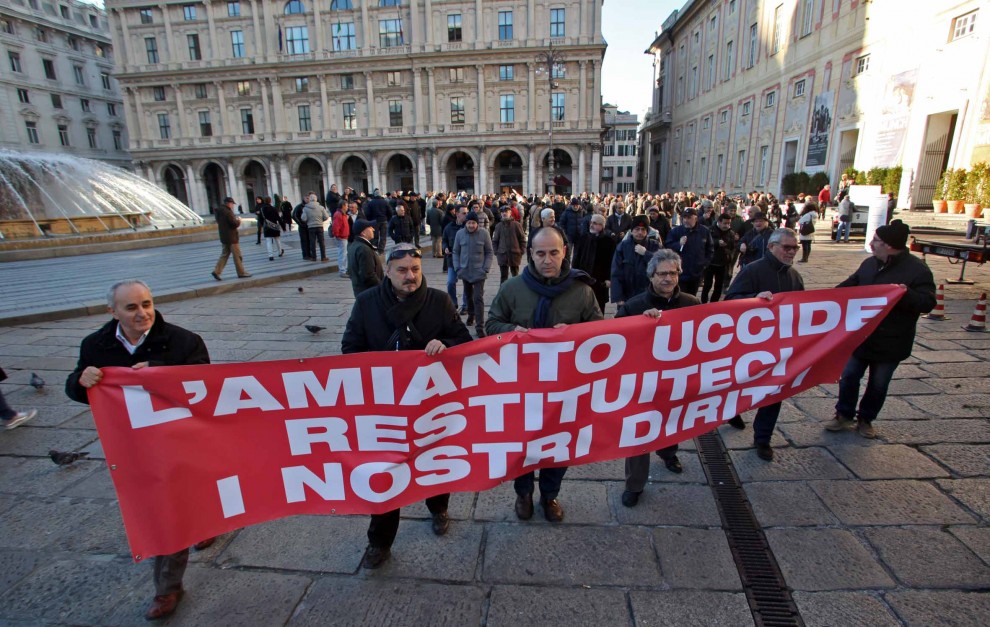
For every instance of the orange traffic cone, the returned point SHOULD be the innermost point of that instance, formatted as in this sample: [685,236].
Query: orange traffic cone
[979,320]
[939,312]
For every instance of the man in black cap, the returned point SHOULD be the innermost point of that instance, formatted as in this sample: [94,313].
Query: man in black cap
[230,237]
[891,342]
[364,266]
[629,262]
[693,242]
[377,211]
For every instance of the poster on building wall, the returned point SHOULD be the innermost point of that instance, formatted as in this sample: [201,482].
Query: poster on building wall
[821,124]
[895,113]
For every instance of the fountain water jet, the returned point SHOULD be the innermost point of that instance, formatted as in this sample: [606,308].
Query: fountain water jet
[49,194]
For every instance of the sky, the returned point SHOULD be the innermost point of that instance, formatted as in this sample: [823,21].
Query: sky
[629,27]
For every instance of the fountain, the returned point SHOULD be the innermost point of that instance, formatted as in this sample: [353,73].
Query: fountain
[47,195]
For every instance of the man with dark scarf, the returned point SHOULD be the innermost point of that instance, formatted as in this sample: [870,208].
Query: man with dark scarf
[593,254]
[402,313]
[548,293]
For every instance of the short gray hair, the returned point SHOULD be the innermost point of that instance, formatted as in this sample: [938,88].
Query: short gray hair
[546,213]
[664,254]
[112,292]
[597,219]
[781,233]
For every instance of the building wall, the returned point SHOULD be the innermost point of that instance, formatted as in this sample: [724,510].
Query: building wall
[418,70]
[83,98]
[619,151]
[865,78]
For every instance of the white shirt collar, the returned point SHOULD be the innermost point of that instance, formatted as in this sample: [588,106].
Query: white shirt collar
[131,348]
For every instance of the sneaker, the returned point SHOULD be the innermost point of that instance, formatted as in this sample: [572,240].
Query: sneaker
[375,556]
[840,423]
[863,428]
[630,498]
[20,418]
[764,451]
[737,422]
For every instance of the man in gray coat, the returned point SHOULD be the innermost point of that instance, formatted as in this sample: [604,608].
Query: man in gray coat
[315,215]
[473,255]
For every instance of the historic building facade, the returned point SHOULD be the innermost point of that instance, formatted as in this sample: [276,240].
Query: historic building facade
[255,97]
[619,161]
[748,91]
[57,93]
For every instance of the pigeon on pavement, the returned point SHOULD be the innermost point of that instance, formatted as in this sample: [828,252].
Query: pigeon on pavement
[37,382]
[65,458]
[312,328]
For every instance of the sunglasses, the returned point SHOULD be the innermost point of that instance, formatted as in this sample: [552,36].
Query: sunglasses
[790,249]
[415,253]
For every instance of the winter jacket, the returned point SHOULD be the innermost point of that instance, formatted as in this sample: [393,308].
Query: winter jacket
[515,304]
[765,275]
[364,265]
[894,338]
[570,223]
[377,210]
[340,228]
[616,225]
[314,214]
[472,254]
[400,229]
[696,254]
[629,268]
[593,254]
[756,245]
[649,299]
[723,253]
[227,224]
[509,242]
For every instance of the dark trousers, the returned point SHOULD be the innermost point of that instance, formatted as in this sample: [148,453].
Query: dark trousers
[601,294]
[550,479]
[715,281]
[383,527]
[690,286]
[304,242]
[638,467]
[382,232]
[504,270]
[416,228]
[316,237]
[881,372]
[168,572]
[805,249]
[765,421]
[474,295]
[6,413]
[261,225]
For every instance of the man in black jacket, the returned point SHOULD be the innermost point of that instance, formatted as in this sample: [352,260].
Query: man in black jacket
[762,279]
[891,342]
[403,314]
[137,337]
[363,264]
[378,211]
[663,270]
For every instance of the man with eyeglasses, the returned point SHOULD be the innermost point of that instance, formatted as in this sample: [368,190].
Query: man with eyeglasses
[400,314]
[891,342]
[772,274]
[662,294]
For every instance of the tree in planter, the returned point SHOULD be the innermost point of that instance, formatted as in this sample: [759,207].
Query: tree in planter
[892,182]
[818,181]
[978,185]
[942,186]
[876,176]
[956,189]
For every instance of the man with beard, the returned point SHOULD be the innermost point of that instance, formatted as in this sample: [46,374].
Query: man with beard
[402,313]
[629,262]
[548,293]
[716,272]
[593,254]
[662,294]
[693,243]
[473,255]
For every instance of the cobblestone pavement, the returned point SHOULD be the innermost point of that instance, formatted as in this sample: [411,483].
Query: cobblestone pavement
[886,532]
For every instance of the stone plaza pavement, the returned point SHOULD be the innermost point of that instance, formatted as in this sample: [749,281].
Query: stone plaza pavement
[886,532]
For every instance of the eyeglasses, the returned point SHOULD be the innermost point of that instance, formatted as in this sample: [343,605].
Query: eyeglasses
[790,249]
[400,253]
[665,274]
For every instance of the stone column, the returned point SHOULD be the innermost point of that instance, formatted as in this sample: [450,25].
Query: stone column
[596,166]
[232,187]
[125,37]
[318,30]
[531,96]
[479,25]
[581,185]
[324,106]
[533,186]
[429,23]
[417,100]
[375,182]
[415,38]
[482,118]
[279,122]
[582,98]
[285,179]
[134,122]
[420,172]
[433,100]
[167,56]
[368,40]
[531,20]
[483,170]
[259,41]
[596,86]
[265,110]
[369,88]
[436,171]
[582,21]
[212,27]
[184,129]
[269,33]
[225,128]
[332,175]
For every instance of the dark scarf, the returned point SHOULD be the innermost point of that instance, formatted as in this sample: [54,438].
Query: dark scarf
[400,314]
[547,293]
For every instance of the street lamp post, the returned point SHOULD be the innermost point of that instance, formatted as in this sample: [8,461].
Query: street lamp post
[550,63]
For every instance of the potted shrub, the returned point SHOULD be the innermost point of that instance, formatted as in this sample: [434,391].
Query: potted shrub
[939,205]
[976,183]
[956,190]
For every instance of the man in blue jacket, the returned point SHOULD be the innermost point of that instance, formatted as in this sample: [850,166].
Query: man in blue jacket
[693,242]
[629,261]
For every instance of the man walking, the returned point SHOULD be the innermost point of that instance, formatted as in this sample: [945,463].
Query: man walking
[548,293]
[402,314]
[845,218]
[891,342]
[473,255]
[137,337]
[762,279]
[363,264]
[340,228]
[449,237]
[230,238]
[662,293]
[434,219]
[305,245]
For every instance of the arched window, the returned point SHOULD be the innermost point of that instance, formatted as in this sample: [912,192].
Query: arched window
[292,7]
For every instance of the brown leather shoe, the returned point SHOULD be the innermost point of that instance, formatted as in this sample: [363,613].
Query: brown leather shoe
[163,606]
[441,523]
[552,510]
[202,545]
[375,556]
[524,506]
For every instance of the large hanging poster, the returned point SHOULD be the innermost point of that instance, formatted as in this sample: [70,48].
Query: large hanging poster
[821,124]
[895,113]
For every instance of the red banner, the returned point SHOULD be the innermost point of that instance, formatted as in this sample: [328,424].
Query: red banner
[196,451]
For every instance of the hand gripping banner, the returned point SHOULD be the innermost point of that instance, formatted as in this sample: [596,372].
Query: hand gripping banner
[196,451]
